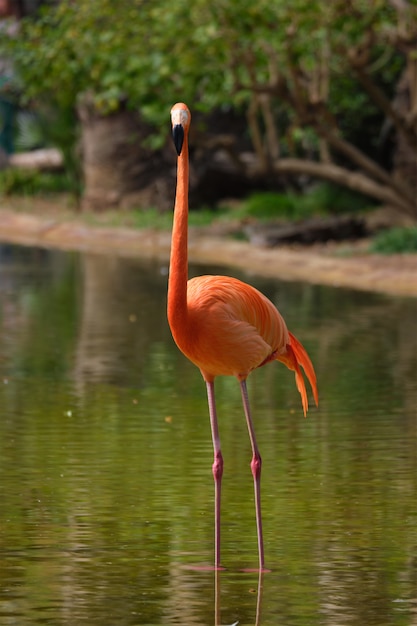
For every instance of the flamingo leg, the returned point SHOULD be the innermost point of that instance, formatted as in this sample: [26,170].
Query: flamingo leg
[217,470]
[256,465]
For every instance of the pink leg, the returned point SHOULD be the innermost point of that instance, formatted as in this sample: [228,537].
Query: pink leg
[217,470]
[256,465]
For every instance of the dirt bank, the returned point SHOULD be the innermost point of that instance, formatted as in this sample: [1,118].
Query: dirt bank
[338,266]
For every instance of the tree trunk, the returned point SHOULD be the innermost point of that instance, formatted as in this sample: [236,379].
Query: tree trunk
[119,170]
[357,181]
[405,156]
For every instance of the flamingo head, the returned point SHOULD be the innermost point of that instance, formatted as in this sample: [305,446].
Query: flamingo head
[180,118]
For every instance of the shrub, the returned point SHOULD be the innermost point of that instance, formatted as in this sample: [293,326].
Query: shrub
[395,240]
[28,182]
[268,205]
[323,198]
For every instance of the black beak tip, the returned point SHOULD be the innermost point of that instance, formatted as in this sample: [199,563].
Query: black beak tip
[178,137]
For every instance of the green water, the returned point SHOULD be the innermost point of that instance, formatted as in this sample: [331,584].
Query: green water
[106,494]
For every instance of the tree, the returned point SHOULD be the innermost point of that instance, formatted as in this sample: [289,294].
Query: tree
[316,80]
[73,63]
[313,75]
[365,47]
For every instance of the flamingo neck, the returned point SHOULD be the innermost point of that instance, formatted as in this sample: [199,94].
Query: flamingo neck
[178,268]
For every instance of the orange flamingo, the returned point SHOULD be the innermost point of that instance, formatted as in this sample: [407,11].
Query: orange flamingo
[226,328]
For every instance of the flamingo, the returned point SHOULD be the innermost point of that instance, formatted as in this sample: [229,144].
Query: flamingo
[226,328]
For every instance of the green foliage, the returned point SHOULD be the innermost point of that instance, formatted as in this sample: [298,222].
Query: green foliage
[151,218]
[131,51]
[28,182]
[328,198]
[59,128]
[269,205]
[396,240]
[29,135]
[153,53]
[135,218]
[147,55]
[323,198]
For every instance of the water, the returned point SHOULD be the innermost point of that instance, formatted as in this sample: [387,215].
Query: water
[105,458]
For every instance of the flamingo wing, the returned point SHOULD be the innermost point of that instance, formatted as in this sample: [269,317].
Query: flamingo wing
[233,328]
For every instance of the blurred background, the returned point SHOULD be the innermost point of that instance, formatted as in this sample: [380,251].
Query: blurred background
[306,109]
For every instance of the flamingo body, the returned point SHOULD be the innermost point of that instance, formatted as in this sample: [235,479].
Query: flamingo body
[225,327]
[231,328]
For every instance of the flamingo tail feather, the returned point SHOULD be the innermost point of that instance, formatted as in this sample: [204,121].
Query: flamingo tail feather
[295,356]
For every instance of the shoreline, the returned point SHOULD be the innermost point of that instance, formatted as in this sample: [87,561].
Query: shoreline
[327,265]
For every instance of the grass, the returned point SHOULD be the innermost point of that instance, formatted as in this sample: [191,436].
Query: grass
[135,218]
[149,218]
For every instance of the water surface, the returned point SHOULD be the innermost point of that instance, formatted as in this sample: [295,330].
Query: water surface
[105,458]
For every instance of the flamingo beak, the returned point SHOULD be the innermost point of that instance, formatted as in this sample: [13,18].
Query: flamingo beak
[178,137]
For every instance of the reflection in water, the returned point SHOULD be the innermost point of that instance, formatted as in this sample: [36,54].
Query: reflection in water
[105,458]
[117,301]
[217,593]
[217,608]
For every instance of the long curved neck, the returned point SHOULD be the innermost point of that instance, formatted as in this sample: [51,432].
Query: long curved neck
[178,268]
